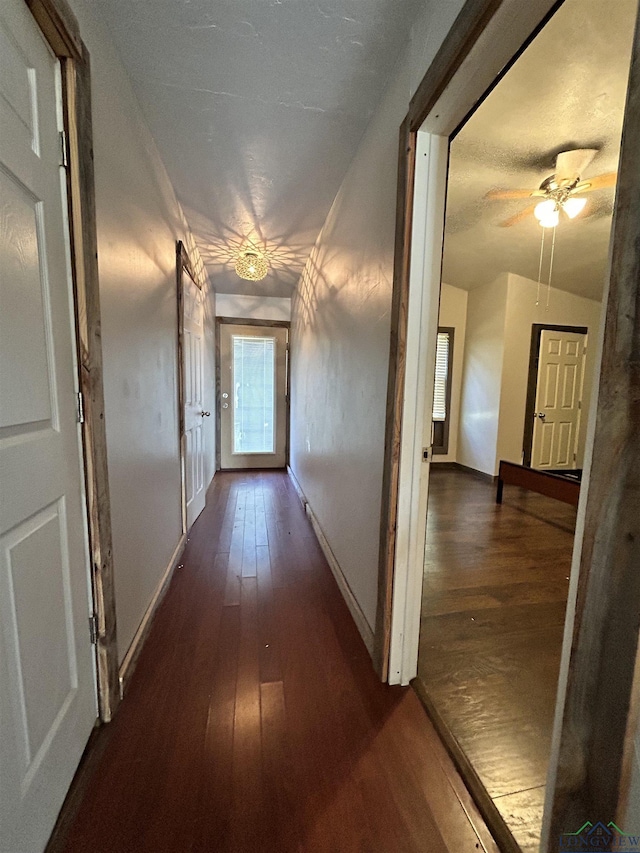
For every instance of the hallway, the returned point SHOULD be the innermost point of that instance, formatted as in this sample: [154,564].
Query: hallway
[254,720]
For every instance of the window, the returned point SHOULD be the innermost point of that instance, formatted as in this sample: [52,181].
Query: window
[442,390]
[254,394]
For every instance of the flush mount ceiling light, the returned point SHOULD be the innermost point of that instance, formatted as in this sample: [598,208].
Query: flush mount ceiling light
[251,265]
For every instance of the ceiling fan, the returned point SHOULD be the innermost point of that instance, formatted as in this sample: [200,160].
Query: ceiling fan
[559,191]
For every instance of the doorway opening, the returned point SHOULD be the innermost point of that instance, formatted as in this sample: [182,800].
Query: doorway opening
[252,394]
[555,416]
[481,582]
[496,575]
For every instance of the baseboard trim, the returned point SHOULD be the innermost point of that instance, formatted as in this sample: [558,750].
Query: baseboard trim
[343,585]
[128,664]
[488,478]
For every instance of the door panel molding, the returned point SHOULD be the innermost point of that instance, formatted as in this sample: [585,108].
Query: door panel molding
[60,29]
[184,266]
[532,379]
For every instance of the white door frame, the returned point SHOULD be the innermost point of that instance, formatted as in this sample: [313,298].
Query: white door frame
[250,321]
[502,39]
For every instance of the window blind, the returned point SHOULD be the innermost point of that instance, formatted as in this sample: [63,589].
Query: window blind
[254,399]
[442,372]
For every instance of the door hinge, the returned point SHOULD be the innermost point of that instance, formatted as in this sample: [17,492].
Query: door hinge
[93,628]
[64,160]
[579,404]
[80,408]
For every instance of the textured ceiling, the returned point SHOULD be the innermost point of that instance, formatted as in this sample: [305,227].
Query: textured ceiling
[258,107]
[567,90]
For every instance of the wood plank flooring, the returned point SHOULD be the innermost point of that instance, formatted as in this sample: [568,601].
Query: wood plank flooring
[494,599]
[254,721]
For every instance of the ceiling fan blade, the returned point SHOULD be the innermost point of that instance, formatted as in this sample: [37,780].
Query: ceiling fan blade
[598,183]
[508,194]
[518,217]
[571,164]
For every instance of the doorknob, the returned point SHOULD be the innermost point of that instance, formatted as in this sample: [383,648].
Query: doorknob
[205,414]
[542,415]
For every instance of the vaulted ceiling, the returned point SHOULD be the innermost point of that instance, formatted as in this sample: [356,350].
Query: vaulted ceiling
[566,91]
[257,107]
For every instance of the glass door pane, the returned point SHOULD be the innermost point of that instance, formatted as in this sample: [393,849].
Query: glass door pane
[254,394]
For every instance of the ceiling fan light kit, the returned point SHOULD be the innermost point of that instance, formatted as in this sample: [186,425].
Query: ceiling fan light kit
[558,191]
[573,206]
[548,212]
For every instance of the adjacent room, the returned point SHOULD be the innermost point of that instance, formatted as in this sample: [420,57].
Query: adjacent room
[530,197]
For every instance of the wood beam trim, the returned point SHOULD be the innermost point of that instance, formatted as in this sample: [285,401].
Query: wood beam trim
[599,698]
[84,251]
[60,27]
[465,32]
[395,396]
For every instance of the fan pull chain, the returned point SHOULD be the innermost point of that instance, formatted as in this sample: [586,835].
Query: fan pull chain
[553,246]
[540,267]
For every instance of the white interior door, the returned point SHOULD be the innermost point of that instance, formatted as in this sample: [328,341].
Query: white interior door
[47,668]
[558,399]
[194,412]
[253,386]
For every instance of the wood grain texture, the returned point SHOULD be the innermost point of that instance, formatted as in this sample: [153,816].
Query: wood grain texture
[395,396]
[606,628]
[254,720]
[59,26]
[84,253]
[544,482]
[494,599]
[472,20]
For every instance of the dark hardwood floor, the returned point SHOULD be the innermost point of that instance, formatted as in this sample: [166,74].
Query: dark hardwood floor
[254,720]
[494,598]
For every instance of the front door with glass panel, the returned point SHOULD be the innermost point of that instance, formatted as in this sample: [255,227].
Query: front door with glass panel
[253,396]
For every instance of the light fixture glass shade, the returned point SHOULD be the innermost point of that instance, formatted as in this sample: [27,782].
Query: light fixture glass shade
[251,266]
[544,209]
[573,206]
[550,220]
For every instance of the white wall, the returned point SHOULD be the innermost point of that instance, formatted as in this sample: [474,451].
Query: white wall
[453,314]
[340,333]
[253,307]
[496,364]
[139,221]
[483,357]
[565,309]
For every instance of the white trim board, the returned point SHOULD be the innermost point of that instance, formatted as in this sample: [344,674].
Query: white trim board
[343,585]
[129,661]
[508,29]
